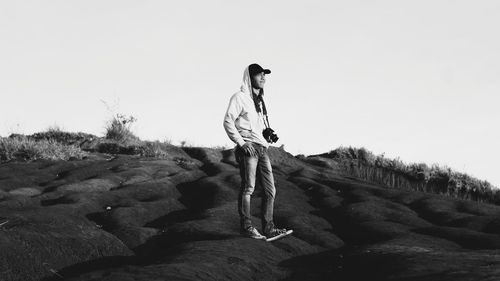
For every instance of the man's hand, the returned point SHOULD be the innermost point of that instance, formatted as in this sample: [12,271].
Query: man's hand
[248,149]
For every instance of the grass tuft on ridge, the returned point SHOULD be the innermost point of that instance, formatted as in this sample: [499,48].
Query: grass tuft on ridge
[450,182]
[25,149]
[119,129]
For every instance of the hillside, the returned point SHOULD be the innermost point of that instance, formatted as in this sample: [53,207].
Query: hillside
[128,217]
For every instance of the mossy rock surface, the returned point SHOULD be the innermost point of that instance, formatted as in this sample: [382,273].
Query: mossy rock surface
[128,217]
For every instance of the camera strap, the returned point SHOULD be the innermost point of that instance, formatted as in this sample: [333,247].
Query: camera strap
[264,110]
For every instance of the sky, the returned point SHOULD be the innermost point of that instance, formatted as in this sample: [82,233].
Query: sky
[418,80]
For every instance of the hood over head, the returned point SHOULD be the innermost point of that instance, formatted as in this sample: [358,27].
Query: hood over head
[246,86]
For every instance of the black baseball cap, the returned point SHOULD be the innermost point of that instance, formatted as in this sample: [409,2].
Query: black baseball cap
[255,69]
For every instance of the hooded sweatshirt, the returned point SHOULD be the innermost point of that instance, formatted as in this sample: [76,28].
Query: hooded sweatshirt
[242,122]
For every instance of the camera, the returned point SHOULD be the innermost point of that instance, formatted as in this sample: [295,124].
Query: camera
[269,135]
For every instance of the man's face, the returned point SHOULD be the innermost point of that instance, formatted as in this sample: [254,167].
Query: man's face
[258,80]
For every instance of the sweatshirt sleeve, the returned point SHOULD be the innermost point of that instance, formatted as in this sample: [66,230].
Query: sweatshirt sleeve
[233,111]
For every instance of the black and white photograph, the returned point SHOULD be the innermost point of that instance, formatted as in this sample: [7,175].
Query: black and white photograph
[249,140]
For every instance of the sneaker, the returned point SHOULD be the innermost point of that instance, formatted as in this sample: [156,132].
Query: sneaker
[252,232]
[274,231]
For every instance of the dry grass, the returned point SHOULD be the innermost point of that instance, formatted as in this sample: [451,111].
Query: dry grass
[23,148]
[420,176]
[155,149]
[67,138]
[56,144]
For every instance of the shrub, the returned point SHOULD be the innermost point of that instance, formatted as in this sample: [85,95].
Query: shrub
[119,129]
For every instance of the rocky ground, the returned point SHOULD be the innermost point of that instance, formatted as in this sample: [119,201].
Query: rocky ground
[129,218]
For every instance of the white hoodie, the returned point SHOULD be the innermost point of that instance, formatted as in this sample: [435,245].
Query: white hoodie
[242,122]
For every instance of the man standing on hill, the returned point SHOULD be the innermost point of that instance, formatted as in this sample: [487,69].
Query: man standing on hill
[244,124]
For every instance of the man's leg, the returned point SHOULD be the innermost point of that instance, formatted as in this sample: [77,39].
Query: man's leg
[248,168]
[266,180]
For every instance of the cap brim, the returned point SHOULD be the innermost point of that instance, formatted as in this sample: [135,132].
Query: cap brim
[267,71]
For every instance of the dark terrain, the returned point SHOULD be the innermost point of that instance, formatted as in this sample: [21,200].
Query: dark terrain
[130,218]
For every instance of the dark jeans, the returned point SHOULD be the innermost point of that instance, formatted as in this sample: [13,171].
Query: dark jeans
[252,169]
